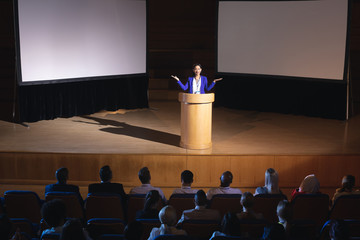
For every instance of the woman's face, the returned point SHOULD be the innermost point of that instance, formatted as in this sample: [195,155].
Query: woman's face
[197,70]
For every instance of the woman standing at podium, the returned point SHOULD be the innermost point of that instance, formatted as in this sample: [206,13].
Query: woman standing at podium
[196,84]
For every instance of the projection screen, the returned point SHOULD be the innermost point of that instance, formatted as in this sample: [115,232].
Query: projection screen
[83,39]
[302,39]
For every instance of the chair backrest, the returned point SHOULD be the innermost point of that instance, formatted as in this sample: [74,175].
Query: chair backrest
[226,203]
[103,205]
[304,229]
[74,208]
[148,225]
[50,236]
[112,237]
[173,237]
[311,207]
[23,204]
[346,207]
[99,226]
[253,228]
[267,205]
[200,229]
[182,202]
[353,227]
[24,225]
[135,203]
[230,238]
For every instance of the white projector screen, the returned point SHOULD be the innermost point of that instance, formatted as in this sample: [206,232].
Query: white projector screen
[75,39]
[305,39]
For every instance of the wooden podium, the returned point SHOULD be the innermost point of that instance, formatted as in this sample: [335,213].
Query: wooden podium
[196,120]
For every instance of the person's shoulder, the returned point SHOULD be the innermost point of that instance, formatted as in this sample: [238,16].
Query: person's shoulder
[49,188]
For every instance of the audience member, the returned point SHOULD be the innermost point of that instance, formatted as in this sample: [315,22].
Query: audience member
[247,201]
[348,183]
[284,213]
[167,216]
[145,178]
[62,175]
[310,185]
[271,183]
[339,230]
[73,230]
[54,212]
[230,226]
[274,232]
[152,201]
[225,181]
[106,186]
[200,212]
[134,230]
[187,178]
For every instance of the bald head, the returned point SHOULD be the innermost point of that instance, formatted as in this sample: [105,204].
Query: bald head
[226,179]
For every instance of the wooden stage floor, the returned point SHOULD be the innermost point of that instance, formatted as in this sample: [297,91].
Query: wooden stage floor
[157,131]
[244,142]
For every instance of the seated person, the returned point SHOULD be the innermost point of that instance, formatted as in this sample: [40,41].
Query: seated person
[73,230]
[230,226]
[275,231]
[150,211]
[247,201]
[187,178]
[54,213]
[348,183]
[106,186]
[145,178]
[271,183]
[200,212]
[62,175]
[167,216]
[225,181]
[310,185]
[284,214]
[339,230]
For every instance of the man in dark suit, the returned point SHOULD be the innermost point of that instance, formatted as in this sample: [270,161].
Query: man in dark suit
[106,186]
[62,175]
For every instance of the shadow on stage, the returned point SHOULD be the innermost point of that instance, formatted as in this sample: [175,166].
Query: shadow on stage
[122,128]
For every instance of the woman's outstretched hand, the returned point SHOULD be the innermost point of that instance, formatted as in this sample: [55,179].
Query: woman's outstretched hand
[175,77]
[218,79]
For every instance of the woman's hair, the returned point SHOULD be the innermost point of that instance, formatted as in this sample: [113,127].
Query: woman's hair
[348,182]
[196,64]
[272,180]
[72,230]
[310,184]
[284,210]
[151,199]
[54,212]
[230,225]
[167,216]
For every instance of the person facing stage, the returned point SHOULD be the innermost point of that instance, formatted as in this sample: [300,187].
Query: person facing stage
[196,84]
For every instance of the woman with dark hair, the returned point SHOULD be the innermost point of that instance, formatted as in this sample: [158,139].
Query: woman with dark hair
[150,211]
[348,183]
[230,226]
[198,83]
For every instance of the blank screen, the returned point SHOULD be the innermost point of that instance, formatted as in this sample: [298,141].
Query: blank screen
[68,39]
[304,39]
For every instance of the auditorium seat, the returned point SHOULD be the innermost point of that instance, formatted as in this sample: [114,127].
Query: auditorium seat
[148,225]
[311,207]
[253,228]
[24,225]
[353,225]
[182,202]
[200,229]
[230,238]
[99,226]
[346,207]
[50,236]
[23,204]
[135,203]
[226,203]
[173,237]
[304,229]
[74,208]
[267,205]
[103,205]
[112,237]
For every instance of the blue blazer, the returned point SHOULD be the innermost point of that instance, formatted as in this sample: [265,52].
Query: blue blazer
[189,85]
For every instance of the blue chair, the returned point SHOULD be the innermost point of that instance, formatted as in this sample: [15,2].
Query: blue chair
[226,203]
[200,229]
[346,207]
[74,207]
[50,236]
[182,202]
[24,225]
[148,225]
[112,237]
[99,226]
[353,227]
[103,205]
[173,237]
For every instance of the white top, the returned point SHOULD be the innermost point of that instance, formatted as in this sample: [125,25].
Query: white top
[145,188]
[196,86]
[185,190]
[172,230]
[222,190]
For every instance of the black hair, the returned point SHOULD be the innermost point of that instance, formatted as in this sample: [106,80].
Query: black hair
[348,184]
[230,225]
[62,175]
[72,230]
[54,212]
[200,198]
[196,64]
[151,199]
[187,176]
[144,175]
[105,173]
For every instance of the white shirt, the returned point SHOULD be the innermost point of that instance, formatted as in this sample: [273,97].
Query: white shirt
[185,190]
[222,190]
[172,230]
[145,188]
[196,86]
